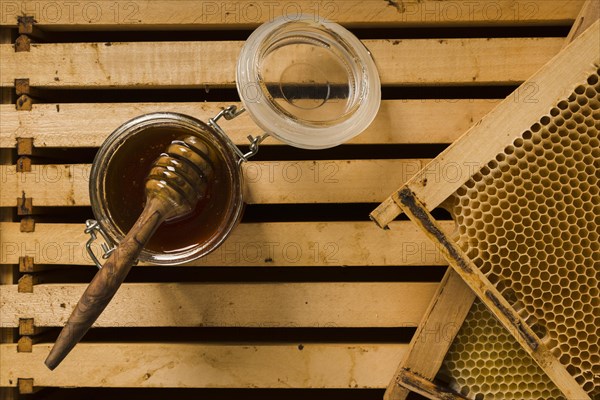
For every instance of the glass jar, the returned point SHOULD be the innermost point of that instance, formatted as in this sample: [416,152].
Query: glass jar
[117,188]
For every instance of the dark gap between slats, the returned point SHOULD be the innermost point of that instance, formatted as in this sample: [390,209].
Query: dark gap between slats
[253,213]
[85,155]
[8,92]
[351,152]
[11,334]
[266,274]
[320,212]
[157,35]
[62,215]
[242,335]
[8,156]
[210,394]
[63,155]
[150,95]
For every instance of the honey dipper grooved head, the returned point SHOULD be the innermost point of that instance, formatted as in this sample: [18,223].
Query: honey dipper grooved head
[181,174]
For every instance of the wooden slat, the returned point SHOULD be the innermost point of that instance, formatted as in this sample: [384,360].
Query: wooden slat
[500,127]
[88,125]
[343,181]
[191,64]
[435,333]
[588,14]
[425,387]
[265,244]
[231,14]
[207,365]
[263,305]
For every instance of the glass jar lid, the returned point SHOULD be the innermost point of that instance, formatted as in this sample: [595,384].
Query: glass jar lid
[308,82]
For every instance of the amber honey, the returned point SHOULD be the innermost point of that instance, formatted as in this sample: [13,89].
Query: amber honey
[124,192]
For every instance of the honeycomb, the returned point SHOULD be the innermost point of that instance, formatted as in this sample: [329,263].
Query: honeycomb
[485,362]
[530,220]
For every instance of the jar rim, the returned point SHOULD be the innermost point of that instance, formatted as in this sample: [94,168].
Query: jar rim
[283,126]
[136,126]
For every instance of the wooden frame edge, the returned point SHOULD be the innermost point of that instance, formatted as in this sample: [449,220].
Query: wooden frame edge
[444,317]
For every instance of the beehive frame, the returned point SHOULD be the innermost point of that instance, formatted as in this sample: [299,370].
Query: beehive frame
[454,299]
[548,267]
[433,194]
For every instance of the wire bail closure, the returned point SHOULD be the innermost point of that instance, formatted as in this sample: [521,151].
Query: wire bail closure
[230,113]
[91,227]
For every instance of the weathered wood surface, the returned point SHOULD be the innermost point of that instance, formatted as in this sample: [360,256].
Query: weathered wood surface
[250,244]
[207,365]
[231,14]
[88,125]
[286,182]
[198,365]
[262,305]
[191,64]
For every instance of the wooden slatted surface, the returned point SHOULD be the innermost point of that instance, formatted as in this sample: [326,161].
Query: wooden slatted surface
[236,305]
[220,366]
[251,244]
[340,299]
[330,181]
[87,125]
[190,64]
[231,14]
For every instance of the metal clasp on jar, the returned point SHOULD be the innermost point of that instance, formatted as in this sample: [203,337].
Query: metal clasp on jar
[230,113]
[91,227]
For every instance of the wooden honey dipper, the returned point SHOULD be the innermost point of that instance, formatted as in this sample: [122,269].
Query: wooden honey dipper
[177,181]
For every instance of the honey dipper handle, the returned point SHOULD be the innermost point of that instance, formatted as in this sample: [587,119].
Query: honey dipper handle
[107,280]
